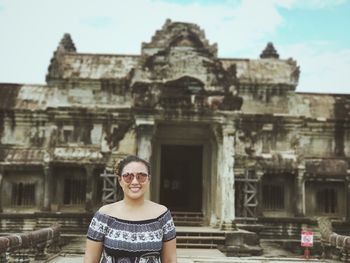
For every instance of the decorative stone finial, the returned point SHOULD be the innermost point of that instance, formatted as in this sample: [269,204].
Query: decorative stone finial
[269,52]
[66,44]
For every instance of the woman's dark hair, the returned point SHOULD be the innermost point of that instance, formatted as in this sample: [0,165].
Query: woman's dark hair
[129,159]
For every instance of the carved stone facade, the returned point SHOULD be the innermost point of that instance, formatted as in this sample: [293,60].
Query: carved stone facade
[226,137]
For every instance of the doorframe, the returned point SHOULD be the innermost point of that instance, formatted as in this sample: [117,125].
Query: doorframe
[206,183]
[196,186]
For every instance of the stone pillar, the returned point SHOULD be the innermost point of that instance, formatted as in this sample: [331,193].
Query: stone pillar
[347,193]
[145,129]
[1,179]
[47,188]
[300,192]
[226,178]
[89,187]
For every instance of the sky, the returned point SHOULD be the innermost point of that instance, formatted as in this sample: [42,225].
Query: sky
[315,33]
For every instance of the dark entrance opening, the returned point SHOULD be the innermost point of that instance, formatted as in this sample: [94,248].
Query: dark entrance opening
[181,177]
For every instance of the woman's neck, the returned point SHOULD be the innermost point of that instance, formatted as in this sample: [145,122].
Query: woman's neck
[134,203]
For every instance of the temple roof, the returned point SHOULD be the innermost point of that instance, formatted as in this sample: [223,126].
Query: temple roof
[321,106]
[178,34]
[102,66]
[26,97]
[265,71]
[93,66]
[41,97]
[78,154]
[30,156]
[178,49]
[34,156]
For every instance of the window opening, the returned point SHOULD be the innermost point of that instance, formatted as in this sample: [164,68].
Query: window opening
[74,191]
[326,200]
[273,197]
[23,194]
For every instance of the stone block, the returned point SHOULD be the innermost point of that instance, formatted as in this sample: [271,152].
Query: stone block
[241,243]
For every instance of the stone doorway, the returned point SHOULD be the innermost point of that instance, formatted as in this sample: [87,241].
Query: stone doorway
[181,177]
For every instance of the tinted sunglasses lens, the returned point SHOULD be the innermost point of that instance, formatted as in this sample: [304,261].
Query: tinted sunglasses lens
[129,177]
[141,177]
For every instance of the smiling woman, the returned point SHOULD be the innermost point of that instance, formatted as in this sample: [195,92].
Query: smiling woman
[133,229]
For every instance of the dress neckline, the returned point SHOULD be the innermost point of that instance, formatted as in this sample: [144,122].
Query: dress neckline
[150,220]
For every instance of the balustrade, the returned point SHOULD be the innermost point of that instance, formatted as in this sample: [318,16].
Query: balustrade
[26,247]
[334,246]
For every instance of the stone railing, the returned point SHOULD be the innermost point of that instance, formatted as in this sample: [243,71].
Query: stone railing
[26,247]
[334,246]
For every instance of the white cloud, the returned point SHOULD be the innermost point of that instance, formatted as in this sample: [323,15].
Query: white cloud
[321,70]
[32,29]
[251,21]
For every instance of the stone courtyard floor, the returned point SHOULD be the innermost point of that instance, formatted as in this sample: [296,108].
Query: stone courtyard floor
[205,256]
[74,250]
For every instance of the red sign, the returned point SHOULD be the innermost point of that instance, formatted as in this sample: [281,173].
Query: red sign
[307,239]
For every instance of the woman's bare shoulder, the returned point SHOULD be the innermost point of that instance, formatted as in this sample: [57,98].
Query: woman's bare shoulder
[109,209]
[157,208]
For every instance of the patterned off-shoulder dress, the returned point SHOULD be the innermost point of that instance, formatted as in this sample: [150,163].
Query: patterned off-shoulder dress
[127,241]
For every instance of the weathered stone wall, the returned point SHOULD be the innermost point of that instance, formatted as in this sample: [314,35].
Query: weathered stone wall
[97,108]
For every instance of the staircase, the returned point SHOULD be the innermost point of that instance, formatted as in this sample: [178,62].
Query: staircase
[71,224]
[16,225]
[199,237]
[191,233]
[188,218]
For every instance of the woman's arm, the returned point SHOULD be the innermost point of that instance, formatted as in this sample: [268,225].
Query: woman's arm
[169,251]
[93,251]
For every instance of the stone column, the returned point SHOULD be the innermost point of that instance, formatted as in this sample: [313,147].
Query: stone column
[145,129]
[226,178]
[47,188]
[89,187]
[347,193]
[1,179]
[300,192]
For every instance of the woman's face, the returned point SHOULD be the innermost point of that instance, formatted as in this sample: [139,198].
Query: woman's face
[134,180]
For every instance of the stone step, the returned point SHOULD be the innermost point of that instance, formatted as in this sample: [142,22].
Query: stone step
[196,245]
[186,213]
[16,225]
[187,223]
[73,244]
[188,218]
[74,225]
[199,237]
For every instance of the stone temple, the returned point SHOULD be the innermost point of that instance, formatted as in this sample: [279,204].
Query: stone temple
[230,141]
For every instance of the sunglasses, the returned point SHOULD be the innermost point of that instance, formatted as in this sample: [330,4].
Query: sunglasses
[129,177]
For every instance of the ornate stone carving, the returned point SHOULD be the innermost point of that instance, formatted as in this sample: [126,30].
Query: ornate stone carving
[269,52]
[178,69]
[66,45]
